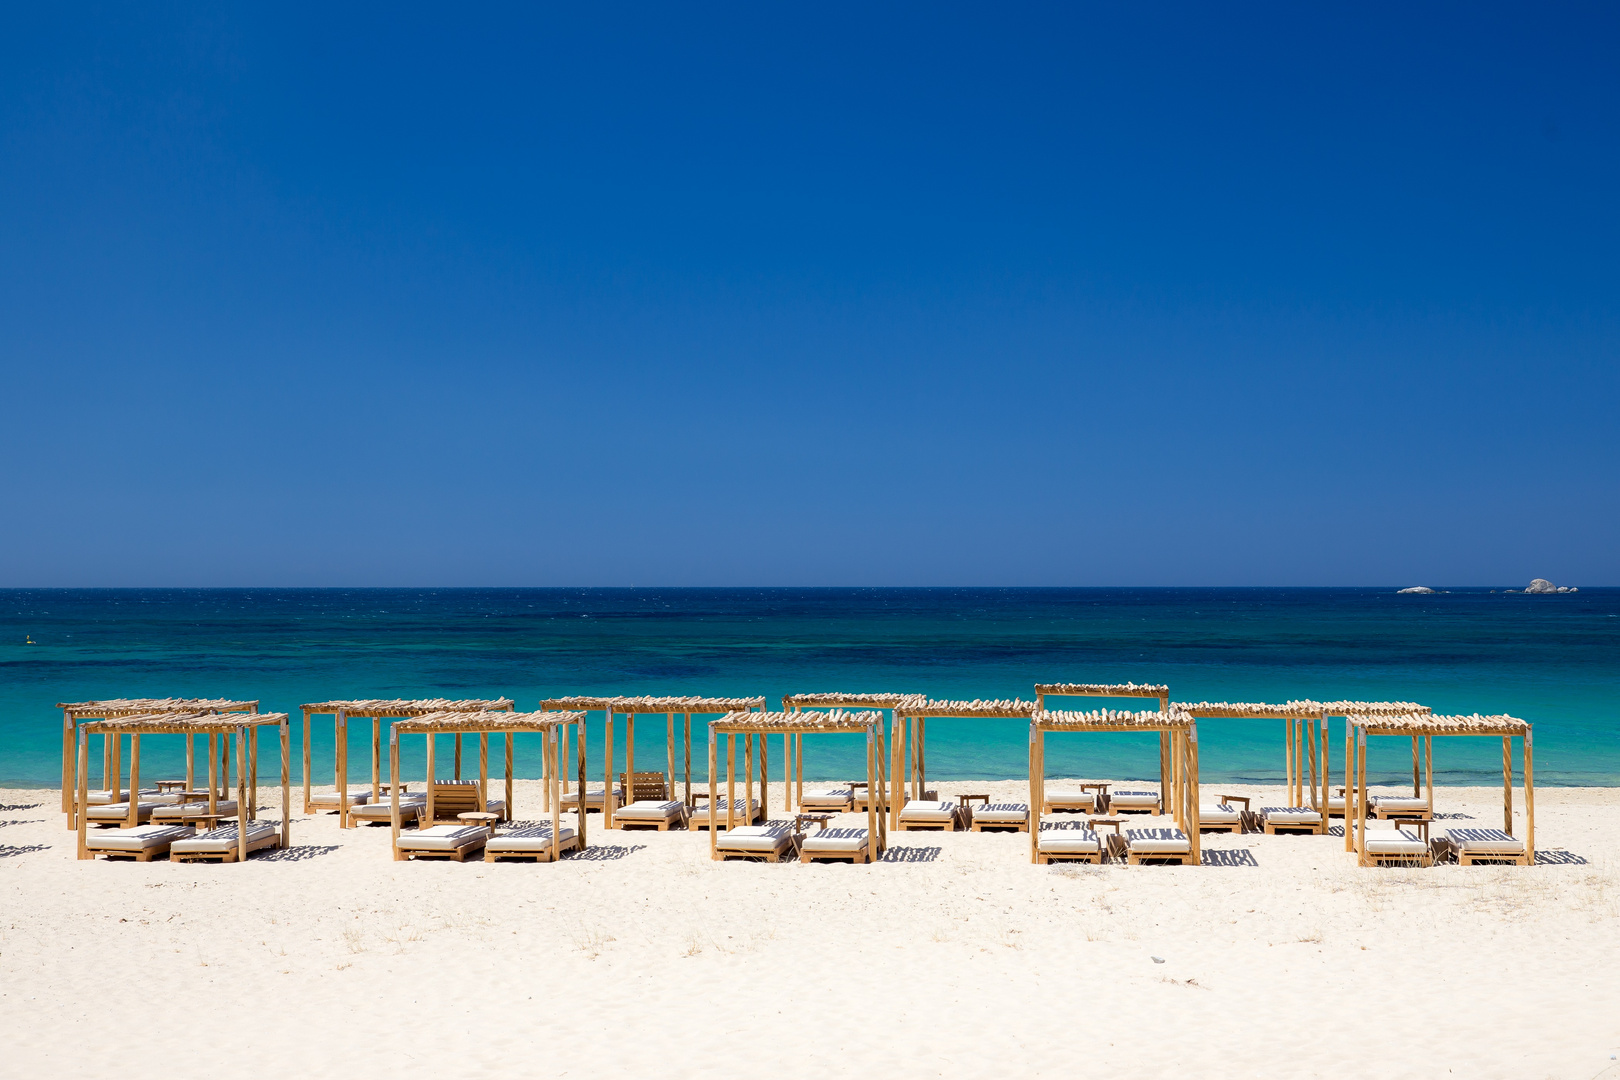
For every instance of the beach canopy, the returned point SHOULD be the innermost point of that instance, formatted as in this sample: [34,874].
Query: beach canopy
[212,724]
[847,701]
[378,710]
[74,712]
[1074,689]
[1426,726]
[795,723]
[485,723]
[1175,726]
[908,738]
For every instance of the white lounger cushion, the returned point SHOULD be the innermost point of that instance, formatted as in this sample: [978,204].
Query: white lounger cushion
[755,838]
[928,810]
[1335,802]
[838,797]
[140,838]
[648,810]
[1395,842]
[1218,815]
[1120,799]
[219,840]
[1086,799]
[593,796]
[701,810]
[1483,841]
[535,838]
[330,798]
[118,811]
[443,838]
[841,840]
[100,798]
[173,813]
[1068,836]
[1157,841]
[1006,812]
[1297,815]
[1388,802]
[409,807]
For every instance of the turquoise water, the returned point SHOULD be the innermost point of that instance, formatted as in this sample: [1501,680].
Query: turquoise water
[1554,660]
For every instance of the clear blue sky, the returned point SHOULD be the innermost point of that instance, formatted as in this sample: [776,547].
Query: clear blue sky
[753,294]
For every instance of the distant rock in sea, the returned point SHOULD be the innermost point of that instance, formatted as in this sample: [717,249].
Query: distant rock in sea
[1423,589]
[1542,585]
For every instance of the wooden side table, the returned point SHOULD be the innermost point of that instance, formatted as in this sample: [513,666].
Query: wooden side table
[478,817]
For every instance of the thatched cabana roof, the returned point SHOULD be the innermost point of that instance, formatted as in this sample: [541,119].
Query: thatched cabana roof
[115,707]
[1113,720]
[1429,724]
[1011,708]
[1130,689]
[1251,710]
[847,701]
[1373,708]
[182,723]
[632,704]
[790,723]
[486,722]
[395,708]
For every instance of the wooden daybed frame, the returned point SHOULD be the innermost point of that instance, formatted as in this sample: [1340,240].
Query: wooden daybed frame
[908,735]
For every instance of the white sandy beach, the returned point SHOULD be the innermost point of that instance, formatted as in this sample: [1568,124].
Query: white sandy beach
[959,958]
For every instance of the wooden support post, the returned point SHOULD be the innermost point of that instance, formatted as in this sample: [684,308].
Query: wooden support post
[1327,770]
[607,774]
[1417,786]
[191,761]
[134,817]
[285,731]
[787,772]
[68,748]
[713,781]
[550,783]
[922,756]
[687,742]
[109,766]
[241,792]
[376,758]
[798,769]
[1428,758]
[1309,731]
[1197,830]
[1349,784]
[458,757]
[1361,799]
[393,788]
[483,774]
[1034,795]
[764,780]
[748,778]
[872,849]
[83,819]
[308,808]
[1165,779]
[427,820]
[1507,784]
[566,771]
[213,776]
[253,772]
[340,732]
[115,785]
[896,748]
[669,756]
[579,737]
[1529,800]
[629,758]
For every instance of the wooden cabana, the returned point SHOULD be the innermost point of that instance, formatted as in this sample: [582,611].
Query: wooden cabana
[793,745]
[909,733]
[75,713]
[1426,727]
[243,726]
[507,723]
[796,723]
[1116,690]
[1303,742]
[630,707]
[378,709]
[1351,711]
[1180,798]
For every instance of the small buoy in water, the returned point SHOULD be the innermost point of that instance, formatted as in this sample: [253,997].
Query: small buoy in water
[30,640]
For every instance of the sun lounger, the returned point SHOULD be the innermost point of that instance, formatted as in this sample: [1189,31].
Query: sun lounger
[454,797]
[1389,806]
[118,813]
[140,843]
[1397,845]
[221,843]
[1007,815]
[1336,803]
[650,814]
[827,801]
[1292,819]
[830,844]
[1220,817]
[768,842]
[930,814]
[1169,845]
[1133,802]
[381,812]
[328,800]
[532,842]
[442,841]
[1081,802]
[593,798]
[1486,845]
[151,795]
[1069,841]
[176,814]
[698,817]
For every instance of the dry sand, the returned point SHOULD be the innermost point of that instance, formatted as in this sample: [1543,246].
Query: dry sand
[958,959]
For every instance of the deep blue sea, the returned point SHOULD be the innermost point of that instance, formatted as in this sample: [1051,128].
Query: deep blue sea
[1553,660]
